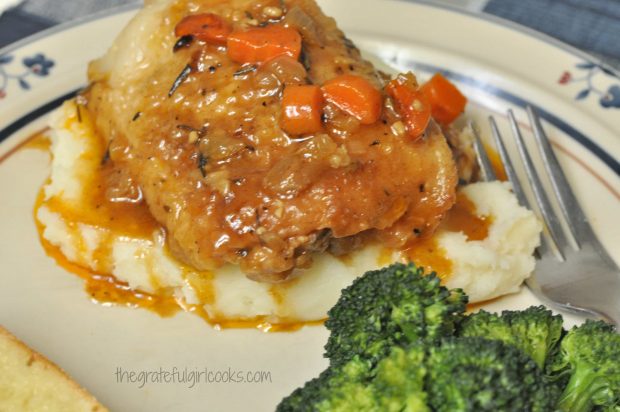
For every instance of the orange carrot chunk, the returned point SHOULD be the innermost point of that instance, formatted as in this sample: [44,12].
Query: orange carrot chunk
[302,107]
[410,103]
[208,27]
[447,102]
[260,44]
[355,96]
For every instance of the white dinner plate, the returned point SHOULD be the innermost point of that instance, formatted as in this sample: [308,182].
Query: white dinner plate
[497,64]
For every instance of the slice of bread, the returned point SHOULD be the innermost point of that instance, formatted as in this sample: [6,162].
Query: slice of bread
[30,382]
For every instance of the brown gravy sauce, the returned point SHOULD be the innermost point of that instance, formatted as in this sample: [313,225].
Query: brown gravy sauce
[461,218]
[496,163]
[107,290]
[134,219]
[38,141]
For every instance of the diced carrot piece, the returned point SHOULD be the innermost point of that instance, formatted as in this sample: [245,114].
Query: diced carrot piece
[260,44]
[447,102]
[208,27]
[411,104]
[302,107]
[356,96]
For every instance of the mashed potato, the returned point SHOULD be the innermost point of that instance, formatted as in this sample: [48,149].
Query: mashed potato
[498,264]
[484,268]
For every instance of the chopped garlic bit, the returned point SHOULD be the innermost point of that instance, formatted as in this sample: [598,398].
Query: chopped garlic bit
[279,208]
[340,158]
[272,12]
[417,105]
[398,128]
[193,137]
[219,181]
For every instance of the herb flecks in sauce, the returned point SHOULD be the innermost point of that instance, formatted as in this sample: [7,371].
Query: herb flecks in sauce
[180,79]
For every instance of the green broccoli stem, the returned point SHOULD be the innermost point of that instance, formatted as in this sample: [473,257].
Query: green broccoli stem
[581,388]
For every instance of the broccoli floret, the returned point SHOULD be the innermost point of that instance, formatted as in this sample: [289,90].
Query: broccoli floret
[398,385]
[395,385]
[455,374]
[477,374]
[341,388]
[536,331]
[390,307]
[590,355]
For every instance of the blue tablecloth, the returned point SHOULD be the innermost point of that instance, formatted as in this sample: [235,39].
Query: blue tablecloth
[591,25]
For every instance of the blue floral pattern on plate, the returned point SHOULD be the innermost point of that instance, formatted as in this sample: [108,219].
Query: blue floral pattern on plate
[37,65]
[609,98]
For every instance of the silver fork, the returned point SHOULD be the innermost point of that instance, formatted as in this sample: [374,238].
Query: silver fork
[584,279]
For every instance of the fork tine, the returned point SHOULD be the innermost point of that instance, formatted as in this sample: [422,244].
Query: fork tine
[486,167]
[569,206]
[543,249]
[548,214]
[508,167]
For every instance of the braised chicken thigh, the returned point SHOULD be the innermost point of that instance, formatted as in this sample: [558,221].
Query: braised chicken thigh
[258,135]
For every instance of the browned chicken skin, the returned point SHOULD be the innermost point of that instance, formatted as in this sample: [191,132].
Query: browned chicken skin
[221,176]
